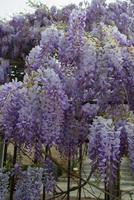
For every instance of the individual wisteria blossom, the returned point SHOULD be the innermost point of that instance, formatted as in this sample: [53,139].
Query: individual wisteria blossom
[104,148]
[4,183]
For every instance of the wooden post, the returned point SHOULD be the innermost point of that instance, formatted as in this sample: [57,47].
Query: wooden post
[2,148]
[80,171]
[69,176]
[44,189]
[12,178]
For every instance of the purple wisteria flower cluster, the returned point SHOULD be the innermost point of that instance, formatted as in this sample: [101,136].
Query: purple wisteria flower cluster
[104,147]
[78,84]
[28,184]
[4,183]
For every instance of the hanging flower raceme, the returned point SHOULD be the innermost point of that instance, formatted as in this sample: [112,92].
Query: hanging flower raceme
[29,183]
[48,48]
[68,141]
[70,44]
[104,148]
[76,30]
[130,136]
[41,118]
[11,101]
[123,137]
[109,67]
[49,176]
[4,182]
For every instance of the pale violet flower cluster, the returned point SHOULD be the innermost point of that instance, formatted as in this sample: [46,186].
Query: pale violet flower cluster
[4,184]
[29,183]
[104,148]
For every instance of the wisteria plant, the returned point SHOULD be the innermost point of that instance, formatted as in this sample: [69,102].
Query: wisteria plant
[75,70]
